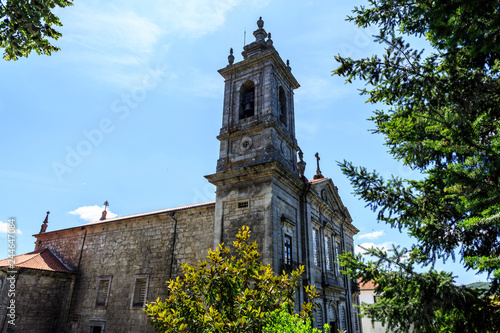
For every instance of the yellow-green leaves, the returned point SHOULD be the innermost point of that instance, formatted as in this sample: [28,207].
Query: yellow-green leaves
[227,293]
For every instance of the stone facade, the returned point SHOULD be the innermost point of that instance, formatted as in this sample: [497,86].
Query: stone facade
[41,302]
[122,262]
[122,250]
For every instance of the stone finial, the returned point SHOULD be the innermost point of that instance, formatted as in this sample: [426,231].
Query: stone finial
[301,165]
[269,42]
[260,34]
[44,224]
[260,44]
[318,174]
[104,212]
[260,23]
[288,64]
[230,58]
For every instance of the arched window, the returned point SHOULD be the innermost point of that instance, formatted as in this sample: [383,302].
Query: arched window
[247,98]
[282,105]
[332,316]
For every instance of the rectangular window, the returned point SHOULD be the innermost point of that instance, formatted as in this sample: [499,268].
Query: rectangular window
[140,291]
[337,251]
[103,284]
[315,247]
[328,258]
[243,204]
[287,248]
[97,326]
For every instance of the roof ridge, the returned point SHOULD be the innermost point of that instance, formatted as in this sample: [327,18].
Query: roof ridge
[60,260]
[43,259]
[29,256]
[166,210]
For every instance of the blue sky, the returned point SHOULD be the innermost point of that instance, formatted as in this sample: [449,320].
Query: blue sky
[128,111]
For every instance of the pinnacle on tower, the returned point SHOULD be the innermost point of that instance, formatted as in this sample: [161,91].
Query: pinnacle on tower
[259,45]
[44,224]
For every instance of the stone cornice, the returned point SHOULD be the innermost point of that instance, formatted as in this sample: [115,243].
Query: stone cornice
[257,60]
[259,172]
[125,218]
[254,126]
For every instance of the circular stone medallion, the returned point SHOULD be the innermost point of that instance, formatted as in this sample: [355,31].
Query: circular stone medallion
[246,143]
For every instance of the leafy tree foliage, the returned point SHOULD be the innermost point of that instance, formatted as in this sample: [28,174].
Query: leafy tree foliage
[442,118]
[231,292]
[282,321]
[27,25]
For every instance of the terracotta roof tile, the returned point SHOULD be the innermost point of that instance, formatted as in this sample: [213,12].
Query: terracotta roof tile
[43,260]
[368,285]
[312,181]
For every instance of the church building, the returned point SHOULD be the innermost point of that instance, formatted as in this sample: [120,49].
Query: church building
[98,276]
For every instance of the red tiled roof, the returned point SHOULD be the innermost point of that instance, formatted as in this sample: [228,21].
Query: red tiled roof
[42,260]
[317,180]
[368,285]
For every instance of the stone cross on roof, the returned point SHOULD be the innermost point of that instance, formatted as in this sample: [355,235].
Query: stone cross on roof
[318,174]
[104,212]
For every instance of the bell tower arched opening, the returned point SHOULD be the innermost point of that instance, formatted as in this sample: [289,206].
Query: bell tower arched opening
[282,106]
[247,98]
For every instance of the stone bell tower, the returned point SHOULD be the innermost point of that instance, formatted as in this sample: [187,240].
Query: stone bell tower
[258,123]
[257,166]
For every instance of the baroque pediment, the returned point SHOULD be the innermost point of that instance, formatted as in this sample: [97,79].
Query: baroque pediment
[326,193]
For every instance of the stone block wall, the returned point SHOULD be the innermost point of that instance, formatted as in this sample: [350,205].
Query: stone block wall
[244,207]
[41,298]
[121,251]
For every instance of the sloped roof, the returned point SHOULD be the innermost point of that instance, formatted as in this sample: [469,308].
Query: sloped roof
[312,181]
[368,285]
[43,260]
[126,217]
[168,210]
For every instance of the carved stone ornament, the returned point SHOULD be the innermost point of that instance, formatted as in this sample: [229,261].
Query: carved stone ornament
[246,143]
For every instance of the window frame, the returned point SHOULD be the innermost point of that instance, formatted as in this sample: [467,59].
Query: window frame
[338,245]
[97,323]
[316,248]
[133,304]
[99,305]
[287,259]
[329,262]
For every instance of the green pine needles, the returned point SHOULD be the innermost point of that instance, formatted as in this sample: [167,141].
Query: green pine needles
[440,115]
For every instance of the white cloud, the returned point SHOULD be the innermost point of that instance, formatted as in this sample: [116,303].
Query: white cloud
[118,42]
[91,213]
[109,28]
[4,228]
[372,235]
[195,18]
[382,246]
